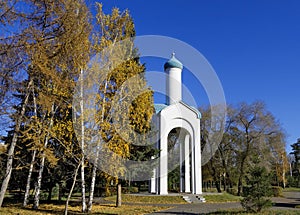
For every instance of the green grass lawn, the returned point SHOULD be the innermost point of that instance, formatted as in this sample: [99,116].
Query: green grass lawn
[291,189]
[97,209]
[224,197]
[155,199]
[144,205]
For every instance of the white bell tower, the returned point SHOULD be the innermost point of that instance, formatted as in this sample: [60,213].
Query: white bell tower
[175,114]
[173,68]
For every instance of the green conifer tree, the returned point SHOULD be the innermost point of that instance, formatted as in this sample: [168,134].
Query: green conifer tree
[257,191]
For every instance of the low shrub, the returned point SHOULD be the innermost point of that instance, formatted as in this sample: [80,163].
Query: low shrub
[232,191]
[277,191]
[246,190]
[130,189]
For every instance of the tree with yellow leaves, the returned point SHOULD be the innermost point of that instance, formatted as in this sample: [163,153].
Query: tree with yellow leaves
[124,104]
[53,47]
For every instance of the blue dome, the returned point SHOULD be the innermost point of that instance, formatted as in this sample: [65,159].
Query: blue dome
[173,63]
[159,107]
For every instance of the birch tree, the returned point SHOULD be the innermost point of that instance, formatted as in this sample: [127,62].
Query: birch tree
[10,154]
[54,39]
[34,152]
[121,65]
[11,63]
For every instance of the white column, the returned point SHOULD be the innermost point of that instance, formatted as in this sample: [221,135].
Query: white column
[181,158]
[163,165]
[197,152]
[174,85]
[153,182]
[187,187]
[193,165]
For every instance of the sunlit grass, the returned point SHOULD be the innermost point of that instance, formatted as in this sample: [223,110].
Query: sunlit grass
[292,189]
[155,199]
[138,205]
[97,209]
[225,197]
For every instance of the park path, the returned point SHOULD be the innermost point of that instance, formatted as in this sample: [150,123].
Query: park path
[199,208]
[287,202]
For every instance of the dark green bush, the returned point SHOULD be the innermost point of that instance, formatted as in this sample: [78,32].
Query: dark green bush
[246,190]
[291,181]
[130,189]
[277,191]
[232,191]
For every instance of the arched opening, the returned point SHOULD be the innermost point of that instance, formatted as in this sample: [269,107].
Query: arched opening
[179,160]
[180,152]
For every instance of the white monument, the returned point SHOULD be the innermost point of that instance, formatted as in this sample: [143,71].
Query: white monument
[177,114]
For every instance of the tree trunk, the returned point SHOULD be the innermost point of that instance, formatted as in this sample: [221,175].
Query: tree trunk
[283,179]
[50,193]
[59,191]
[283,172]
[229,181]
[215,177]
[72,188]
[50,187]
[36,200]
[26,195]
[224,182]
[10,154]
[119,195]
[92,188]
[83,209]
[240,182]
[217,184]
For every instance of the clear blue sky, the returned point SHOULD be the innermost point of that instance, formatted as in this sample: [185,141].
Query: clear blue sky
[253,45]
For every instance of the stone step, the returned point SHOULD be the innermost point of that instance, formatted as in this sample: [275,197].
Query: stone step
[194,198]
[187,199]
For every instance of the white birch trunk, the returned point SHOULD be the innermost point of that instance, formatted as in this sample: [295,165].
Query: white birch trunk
[83,186]
[283,172]
[10,155]
[92,188]
[94,173]
[26,195]
[72,188]
[36,200]
[82,144]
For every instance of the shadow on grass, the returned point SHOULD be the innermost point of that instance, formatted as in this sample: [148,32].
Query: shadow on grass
[285,205]
[70,212]
[293,198]
[57,211]
[18,203]
[211,213]
[228,212]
